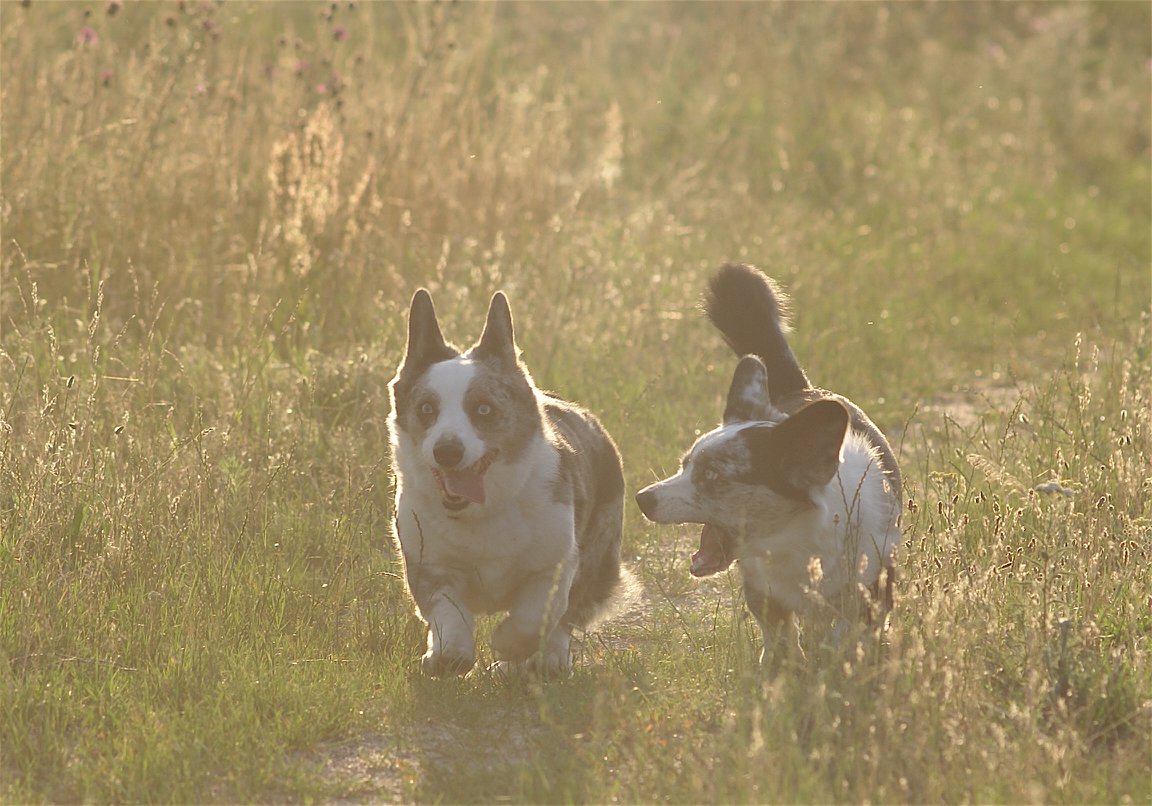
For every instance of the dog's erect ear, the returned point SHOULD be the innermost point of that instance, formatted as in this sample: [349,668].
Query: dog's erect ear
[497,341]
[748,392]
[426,344]
[812,438]
[800,453]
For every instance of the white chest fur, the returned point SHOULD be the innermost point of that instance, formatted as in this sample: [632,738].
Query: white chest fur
[489,551]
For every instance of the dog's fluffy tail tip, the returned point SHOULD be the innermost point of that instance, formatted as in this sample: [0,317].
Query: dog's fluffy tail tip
[628,595]
[743,289]
[629,592]
[752,314]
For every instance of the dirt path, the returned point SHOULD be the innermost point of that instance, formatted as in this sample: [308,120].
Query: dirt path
[379,768]
[394,766]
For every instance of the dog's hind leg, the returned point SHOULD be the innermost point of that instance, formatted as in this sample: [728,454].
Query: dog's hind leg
[601,586]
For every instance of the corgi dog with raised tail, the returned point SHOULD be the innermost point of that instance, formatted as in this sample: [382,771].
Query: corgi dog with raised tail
[797,484]
[507,500]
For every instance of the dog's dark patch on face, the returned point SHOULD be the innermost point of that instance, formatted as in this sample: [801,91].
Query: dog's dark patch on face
[426,408]
[408,390]
[503,409]
[417,407]
[707,475]
[718,464]
[409,400]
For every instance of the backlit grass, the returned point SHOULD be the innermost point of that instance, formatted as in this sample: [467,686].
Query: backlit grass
[214,216]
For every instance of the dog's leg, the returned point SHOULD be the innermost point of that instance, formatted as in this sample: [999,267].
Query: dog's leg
[435,591]
[553,660]
[599,584]
[451,647]
[772,617]
[557,657]
[775,622]
[533,622]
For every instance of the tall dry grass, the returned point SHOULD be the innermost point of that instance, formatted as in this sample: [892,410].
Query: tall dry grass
[213,217]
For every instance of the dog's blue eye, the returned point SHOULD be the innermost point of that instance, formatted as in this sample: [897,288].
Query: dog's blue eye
[427,409]
[483,410]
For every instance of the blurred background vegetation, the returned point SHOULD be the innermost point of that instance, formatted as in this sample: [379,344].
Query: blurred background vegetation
[213,218]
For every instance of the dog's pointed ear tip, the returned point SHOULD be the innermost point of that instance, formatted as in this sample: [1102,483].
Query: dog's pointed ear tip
[500,311]
[422,300]
[833,412]
[500,303]
[836,408]
[750,367]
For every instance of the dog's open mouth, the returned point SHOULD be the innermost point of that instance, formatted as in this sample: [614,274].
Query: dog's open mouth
[715,553]
[463,486]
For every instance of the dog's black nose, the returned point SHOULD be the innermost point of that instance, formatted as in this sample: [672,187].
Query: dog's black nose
[448,452]
[646,499]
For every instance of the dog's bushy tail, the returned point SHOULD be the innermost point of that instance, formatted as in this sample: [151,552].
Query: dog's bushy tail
[751,312]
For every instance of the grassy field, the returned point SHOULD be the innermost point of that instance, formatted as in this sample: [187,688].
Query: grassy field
[213,218]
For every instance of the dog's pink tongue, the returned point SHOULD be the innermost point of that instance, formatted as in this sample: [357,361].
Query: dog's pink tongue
[465,484]
[710,557]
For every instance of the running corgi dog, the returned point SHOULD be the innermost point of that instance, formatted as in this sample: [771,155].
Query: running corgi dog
[796,483]
[507,500]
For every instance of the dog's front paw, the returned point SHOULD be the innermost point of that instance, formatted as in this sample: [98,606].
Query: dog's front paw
[446,664]
[537,667]
[523,650]
[503,670]
[551,664]
[511,644]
